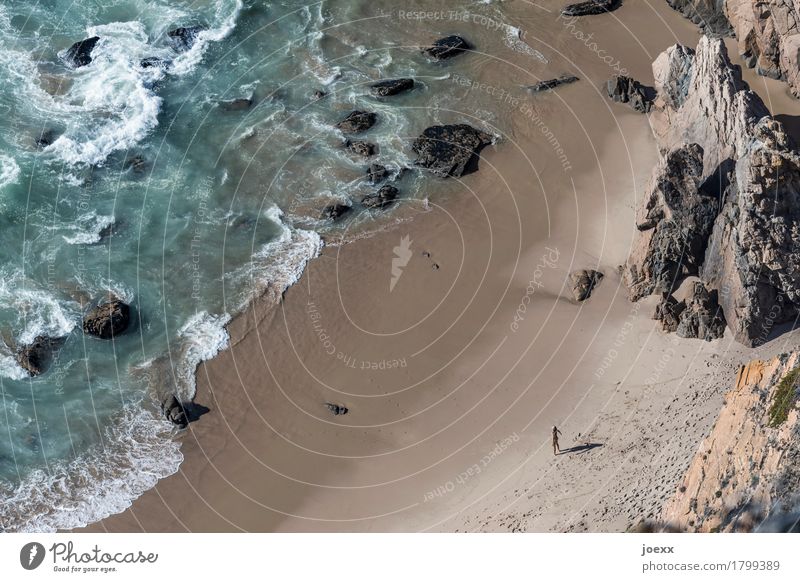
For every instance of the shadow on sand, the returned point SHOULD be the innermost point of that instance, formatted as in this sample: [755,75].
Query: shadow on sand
[580,448]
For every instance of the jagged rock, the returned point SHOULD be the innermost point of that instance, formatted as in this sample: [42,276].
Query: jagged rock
[623,89]
[753,255]
[319,95]
[674,222]
[184,37]
[336,409]
[447,47]
[376,173]
[153,62]
[46,138]
[35,357]
[668,312]
[335,211]
[702,316]
[357,121]
[362,148]
[552,83]
[450,150]
[107,320]
[591,7]
[391,87]
[240,104]
[384,197]
[709,15]
[80,53]
[583,283]
[175,412]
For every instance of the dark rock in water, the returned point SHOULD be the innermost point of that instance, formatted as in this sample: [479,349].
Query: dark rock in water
[709,15]
[319,95]
[391,87]
[107,320]
[336,409]
[357,121]
[552,83]
[35,357]
[335,211]
[137,163]
[623,89]
[668,312]
[184,37]
[382,198]
[47,137]
[450,150]
[447,47]
[175,412]
[674,222]
[591,7]
[583,283]
[376,173]
[153,62]
[108,231]
[362,148]
[80,53]
[236,104]
[702,318]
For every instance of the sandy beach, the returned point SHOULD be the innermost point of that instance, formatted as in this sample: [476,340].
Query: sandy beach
[453,340]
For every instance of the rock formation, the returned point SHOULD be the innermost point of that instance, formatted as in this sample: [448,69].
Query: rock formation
[80,53]
[450,150]
[184,37]
[626,90]
[362,148]
[391,87]
[590,7]
[357,122]
[447,47]
[709,15]
[175,412]
[381,199]
[107,320]
[376,173]
[552,83]
[701,316]
[335,211]
[35,357]
[583,283]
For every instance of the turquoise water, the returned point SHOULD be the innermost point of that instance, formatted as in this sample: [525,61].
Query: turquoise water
[209,206]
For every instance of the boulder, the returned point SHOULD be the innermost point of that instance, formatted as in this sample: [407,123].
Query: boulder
[107,320]
[447,47]
[450,150]
[376,173]
[591,7]
[80,53]
[391,87]
[35,357]
[336,409]
[623,89]
[552,83]
[583,283]
[364,149]
[357,122]
[175,412]
[674,221]
[46,138]
[384,197]
[184,37]
[335,211]
[668,312]
[317,95]
[702,316]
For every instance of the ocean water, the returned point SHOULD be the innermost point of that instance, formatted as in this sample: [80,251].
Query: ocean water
[153,190]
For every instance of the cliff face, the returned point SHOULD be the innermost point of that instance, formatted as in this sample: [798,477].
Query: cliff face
[766,31]
[744,463]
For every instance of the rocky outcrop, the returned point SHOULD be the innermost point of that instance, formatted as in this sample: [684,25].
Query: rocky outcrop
[184,37]
[335,211]
[376,173]
[364,149]
[591,7]
[584,282]
[701,316]
[745,461]
[381,199]
[36,356]
[391,87]
[80,53]
[107,320]
[709,15]
[357,122]
[175,412]
[674,222]
[336,409]
[447,47]
[450,150]
[552,83]
[668,312]
[623,89]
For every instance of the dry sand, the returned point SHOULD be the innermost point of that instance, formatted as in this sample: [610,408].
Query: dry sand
[454,378]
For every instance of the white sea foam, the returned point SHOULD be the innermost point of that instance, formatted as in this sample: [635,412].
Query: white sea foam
[201,338]
[88,228]
[9,170]
[227,13]
[513,40]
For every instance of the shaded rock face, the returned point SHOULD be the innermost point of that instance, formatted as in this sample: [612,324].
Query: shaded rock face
[552,83]
[391,87]
[376,173]
[623,89]
[35,357]
[668,312]
[107,320]
[702,316]
[583,283]
[80,53]
[709,15]
[447,47]
[674,222]
[184,37]
[357,122]
[335,211]
[362,148]
[384,197]
[450,150]
[591,7]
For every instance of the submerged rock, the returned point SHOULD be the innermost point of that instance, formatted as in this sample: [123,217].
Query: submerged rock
[46,138]
[184,37]
[80,53]
[336,409]
[318,94]
[623,89]
[241,104]
[552,83]
[153,62]
[364,149]
[35,357]
[391,87]
[591,7]
[447,47]
[583,283]
[384,197]
[107,320]
[357,122]
[450,150]
[335,211]
[376,173]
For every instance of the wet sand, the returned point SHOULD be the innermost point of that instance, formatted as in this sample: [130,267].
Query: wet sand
[454,375]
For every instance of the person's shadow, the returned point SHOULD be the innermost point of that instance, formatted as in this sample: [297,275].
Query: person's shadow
[580,448]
